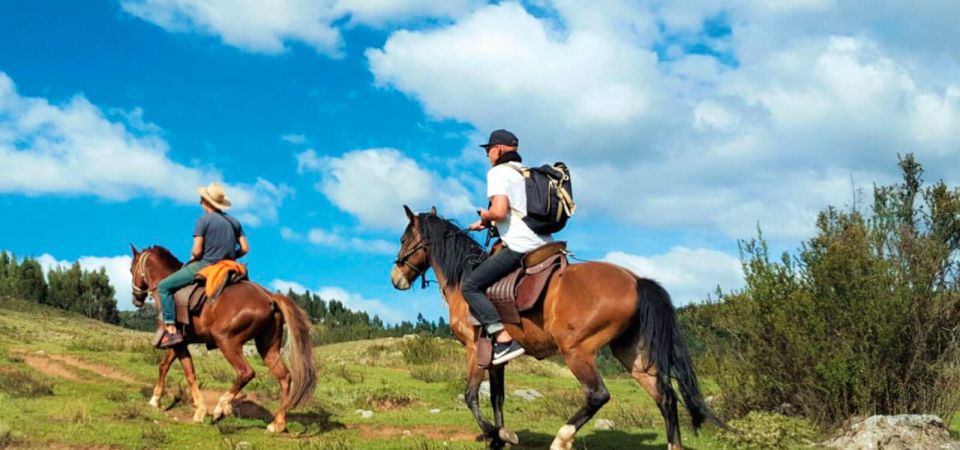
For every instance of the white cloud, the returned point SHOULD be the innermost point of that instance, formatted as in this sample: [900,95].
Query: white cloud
[117,268]
[815,99]
[374,184]
[689,275]
[270,27]
[353,301]
[293,138]
[335,239]
[73,149]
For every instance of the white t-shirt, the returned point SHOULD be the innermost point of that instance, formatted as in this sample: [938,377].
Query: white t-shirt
[503,180]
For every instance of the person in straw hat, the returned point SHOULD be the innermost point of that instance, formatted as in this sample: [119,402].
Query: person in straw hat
[216,237]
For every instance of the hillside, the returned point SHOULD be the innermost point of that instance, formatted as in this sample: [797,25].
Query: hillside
[72,382]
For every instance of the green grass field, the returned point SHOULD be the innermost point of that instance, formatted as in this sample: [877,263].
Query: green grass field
[70,382]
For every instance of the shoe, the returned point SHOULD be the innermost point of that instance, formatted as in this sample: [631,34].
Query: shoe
[170,339]
[503,352]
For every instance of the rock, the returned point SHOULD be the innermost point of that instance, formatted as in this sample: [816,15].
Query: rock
[604,424]
[407,433]
[527,394]
[902,432]
[243,445]
[364,413]
[435,411]
[786,409]
[249,350]
[485,389]
[40,353]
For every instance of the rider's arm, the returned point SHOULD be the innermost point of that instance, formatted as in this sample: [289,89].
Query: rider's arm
[499,209]
[244,245]
[197,251]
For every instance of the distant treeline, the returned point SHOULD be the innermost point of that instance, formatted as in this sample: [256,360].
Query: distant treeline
[334,321]
[71,288]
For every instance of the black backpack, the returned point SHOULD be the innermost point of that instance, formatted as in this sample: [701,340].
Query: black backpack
[549,197]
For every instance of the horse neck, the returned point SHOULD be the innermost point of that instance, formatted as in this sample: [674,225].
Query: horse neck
[452,295]
[157,270]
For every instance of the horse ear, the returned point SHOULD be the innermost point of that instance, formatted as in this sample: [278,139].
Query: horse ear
[410,214]
[433,210]
[133,248]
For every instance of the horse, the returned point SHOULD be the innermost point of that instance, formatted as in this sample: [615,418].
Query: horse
[589,306]
[243,311]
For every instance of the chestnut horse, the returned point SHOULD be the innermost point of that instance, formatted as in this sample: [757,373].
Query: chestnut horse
[589,306]
[243,311]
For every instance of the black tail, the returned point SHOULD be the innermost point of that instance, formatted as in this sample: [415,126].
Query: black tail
[667,352]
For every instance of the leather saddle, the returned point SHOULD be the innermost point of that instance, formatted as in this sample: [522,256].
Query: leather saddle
[523,288]
[189,300]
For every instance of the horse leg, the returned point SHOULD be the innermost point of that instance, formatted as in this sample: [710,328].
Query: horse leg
[497,395]
[584,367]
[162,380]
[268,345]
[630,358]
[234,354]
[472,398]
[199,408]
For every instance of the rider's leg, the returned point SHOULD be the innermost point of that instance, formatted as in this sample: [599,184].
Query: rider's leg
[483,276]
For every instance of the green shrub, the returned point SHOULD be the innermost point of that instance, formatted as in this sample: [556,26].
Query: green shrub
[426,350]
[862,320]
[387,398]
[23,383]
[153,436]
[435,373]
[768,431]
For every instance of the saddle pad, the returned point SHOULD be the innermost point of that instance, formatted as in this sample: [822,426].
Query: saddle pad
[188,300]
[523,288]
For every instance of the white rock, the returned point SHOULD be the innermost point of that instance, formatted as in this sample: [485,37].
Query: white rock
[527,394]
[407,433]
[604,424]
[902,432]
[435,411]
[366,414]
[243,445]
[485,389]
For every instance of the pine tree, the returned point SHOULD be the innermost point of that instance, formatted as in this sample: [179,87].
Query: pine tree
[31,283]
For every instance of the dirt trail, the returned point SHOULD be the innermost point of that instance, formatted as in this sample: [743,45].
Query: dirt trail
[432,432]
[60,366]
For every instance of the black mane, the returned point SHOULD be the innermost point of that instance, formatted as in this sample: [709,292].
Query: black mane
[454,251]
[165,256]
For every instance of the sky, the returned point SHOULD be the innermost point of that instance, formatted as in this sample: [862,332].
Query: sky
[687,126]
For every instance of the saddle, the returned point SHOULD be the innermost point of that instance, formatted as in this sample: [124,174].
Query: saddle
[523,288]
[189,300]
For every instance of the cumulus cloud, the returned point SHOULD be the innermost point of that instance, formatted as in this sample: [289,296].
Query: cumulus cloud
[374,184]
[785,112]
[352,300]
[74,149]
[270,27]
[117,268]
[690,275]
[337,240]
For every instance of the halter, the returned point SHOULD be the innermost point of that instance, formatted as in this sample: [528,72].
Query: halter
[402,259]
[141,266]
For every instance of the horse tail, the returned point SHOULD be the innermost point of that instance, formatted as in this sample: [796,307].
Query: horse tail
[666,350]
[303,374]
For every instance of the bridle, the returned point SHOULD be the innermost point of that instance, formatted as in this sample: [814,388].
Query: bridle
[140,265]
[402,259]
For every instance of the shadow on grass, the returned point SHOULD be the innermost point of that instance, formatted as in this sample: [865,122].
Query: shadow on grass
[598,440]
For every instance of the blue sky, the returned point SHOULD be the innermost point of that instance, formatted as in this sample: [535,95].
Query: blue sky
[686,126]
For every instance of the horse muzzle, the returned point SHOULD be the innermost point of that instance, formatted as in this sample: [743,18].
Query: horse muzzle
[399,280]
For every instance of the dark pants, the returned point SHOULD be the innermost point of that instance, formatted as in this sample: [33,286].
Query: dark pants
[483,276]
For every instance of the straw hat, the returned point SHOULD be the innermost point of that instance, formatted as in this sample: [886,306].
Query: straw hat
[215,195]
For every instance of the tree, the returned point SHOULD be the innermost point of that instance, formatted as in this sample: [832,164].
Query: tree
[32,285]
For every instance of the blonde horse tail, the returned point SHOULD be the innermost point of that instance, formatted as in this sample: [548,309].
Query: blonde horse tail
[303,374]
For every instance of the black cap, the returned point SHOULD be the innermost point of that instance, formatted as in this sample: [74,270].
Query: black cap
[502,137]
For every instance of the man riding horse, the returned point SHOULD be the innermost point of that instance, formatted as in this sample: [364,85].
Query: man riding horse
[216,237]
[507,193]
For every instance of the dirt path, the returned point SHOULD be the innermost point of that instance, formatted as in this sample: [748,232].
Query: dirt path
[64,366]
[432,432]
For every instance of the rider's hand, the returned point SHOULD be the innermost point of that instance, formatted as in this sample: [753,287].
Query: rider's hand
[477,226]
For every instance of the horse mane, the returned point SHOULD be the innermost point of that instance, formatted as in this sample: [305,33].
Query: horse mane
[454,251]
[165,256]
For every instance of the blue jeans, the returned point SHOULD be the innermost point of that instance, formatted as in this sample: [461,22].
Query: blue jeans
[169,285]
[483,276]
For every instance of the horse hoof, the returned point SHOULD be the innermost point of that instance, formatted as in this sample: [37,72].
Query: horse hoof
[508,436]
[155,402]
[199,416]
[274,428]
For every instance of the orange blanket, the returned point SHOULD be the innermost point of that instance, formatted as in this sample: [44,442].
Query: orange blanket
[218,274]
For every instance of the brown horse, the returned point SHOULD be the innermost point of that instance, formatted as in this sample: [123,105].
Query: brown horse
[244,311]
[589,306]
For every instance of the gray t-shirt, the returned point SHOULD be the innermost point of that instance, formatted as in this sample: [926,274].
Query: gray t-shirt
[220,233]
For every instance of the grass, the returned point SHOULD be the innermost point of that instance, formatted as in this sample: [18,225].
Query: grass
[400,380]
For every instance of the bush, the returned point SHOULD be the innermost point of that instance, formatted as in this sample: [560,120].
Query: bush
[435,373]
[862,321]
[768,431]
[22,383]
[426,350]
